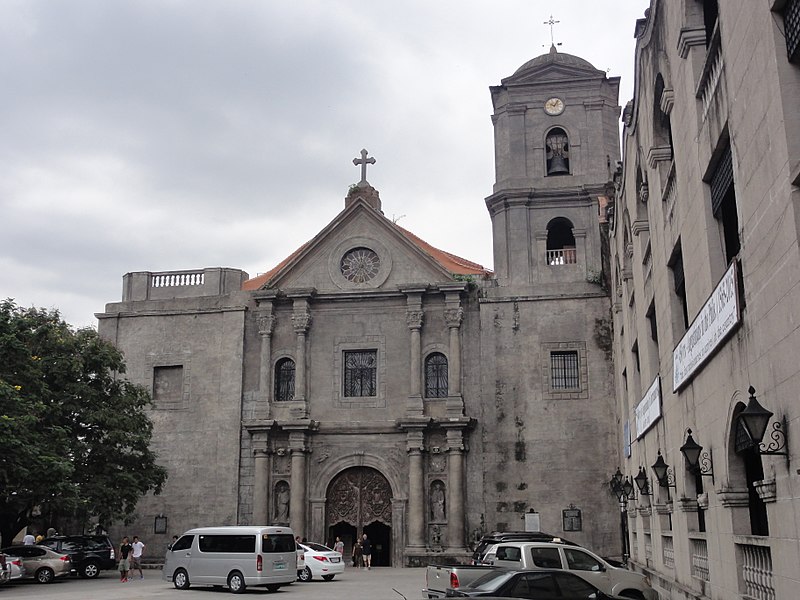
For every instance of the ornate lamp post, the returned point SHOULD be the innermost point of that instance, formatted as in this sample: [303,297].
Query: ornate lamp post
[622,488]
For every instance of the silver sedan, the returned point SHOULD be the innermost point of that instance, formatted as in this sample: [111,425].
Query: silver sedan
[41,563]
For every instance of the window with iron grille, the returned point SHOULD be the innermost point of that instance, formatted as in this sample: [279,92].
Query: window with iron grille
[564,372]
[791,20]
[360,373]
[284,380]
[436,375]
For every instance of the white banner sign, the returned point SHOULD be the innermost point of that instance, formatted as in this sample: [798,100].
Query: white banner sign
[718,317]
[648,411]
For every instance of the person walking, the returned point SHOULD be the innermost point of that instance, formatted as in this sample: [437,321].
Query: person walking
[136,555]
[357,554]
[124,562]
[30,539]
[366,551]
[338,546]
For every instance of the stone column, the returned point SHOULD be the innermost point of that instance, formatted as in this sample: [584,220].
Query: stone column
[260,480]
[455,490]
[297,499]
[266,323]
[416,490]
[301,321]
[455,403]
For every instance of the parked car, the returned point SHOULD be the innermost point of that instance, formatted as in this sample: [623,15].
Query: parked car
[301,560]
[5,570]
[440,577]
[545,584]
[580,561]
[321,561]
[491,540]
[41,563]
[89,554]
[16,570]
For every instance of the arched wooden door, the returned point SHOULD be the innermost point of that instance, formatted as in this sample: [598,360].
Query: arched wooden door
[360,497]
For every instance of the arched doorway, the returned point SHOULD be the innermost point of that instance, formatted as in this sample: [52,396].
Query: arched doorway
[358,501]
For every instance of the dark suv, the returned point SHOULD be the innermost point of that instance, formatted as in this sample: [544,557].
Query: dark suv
[496,537]
[89,554]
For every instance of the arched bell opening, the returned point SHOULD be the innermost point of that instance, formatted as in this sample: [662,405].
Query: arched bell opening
[557,151]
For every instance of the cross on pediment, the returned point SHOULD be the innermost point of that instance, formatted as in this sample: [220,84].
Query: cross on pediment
[364,161]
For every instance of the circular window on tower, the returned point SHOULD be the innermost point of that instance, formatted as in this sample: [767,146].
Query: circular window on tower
[360,265]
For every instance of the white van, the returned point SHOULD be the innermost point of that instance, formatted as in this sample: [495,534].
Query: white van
[234,556]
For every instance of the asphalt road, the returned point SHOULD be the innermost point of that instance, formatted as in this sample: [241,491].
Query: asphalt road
[353,584]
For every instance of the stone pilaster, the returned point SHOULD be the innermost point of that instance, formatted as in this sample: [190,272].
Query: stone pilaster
[266,324]
[455,490]
[416,493]
[453,315]
[301,323]
[297,502]
[261,495]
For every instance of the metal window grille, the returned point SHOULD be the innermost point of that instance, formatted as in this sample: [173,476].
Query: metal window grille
[721,182]
[284,380]
[791,21]
[360,373]
[564,374]
[436,376]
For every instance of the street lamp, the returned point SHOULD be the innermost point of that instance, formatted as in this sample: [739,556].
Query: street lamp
[754,419]
[697,461]
[663,472]
[642,483]
[623,490]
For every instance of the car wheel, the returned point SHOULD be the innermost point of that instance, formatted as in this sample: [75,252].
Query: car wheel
[305,575]
[328,577]
[181,579]
[90,570]
[273,587]
[45,575]
[236,583]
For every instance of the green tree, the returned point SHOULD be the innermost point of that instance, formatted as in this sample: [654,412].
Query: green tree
[74,434]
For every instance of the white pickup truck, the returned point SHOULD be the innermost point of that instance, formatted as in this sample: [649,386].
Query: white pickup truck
[603,575]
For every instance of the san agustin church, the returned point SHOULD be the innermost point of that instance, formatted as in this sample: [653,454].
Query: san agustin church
[372,383]
[641,314]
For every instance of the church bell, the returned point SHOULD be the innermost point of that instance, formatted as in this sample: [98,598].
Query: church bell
[558,165]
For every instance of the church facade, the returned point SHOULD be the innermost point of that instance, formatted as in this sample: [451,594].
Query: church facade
[372,383]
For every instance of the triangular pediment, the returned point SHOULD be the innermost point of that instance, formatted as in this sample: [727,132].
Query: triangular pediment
[361,250]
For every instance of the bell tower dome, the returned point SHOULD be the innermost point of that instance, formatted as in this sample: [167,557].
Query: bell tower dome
[556,140]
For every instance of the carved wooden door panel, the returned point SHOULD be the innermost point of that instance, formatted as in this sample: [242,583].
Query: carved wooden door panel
[359,496]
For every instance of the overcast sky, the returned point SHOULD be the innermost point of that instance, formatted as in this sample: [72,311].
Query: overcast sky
[163,135]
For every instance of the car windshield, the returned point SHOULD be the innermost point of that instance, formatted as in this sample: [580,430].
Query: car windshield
[491,581]
[318,547]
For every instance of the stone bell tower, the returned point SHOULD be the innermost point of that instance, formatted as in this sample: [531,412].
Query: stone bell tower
[556,142]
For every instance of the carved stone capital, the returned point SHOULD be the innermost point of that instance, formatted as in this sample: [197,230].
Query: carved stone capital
[454,316]
[644,192]
[266,324]
[689,37]
[414,319]
[301,322]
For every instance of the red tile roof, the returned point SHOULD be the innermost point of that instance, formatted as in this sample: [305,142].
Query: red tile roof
[450,262]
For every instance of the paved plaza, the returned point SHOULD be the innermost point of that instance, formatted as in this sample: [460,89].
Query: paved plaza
[376,584]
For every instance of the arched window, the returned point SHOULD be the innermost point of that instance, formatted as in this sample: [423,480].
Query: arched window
[284,380]
[662,127]
[557,152]
[436,375]
[560,242]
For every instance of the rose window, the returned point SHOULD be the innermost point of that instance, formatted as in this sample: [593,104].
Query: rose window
[360,265]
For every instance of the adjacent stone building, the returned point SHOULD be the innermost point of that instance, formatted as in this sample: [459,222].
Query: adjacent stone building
[706,298]
[371,383]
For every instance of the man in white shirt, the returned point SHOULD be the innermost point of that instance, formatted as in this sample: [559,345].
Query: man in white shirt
[136,556]
[29,539]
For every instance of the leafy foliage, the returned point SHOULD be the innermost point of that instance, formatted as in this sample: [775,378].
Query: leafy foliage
[74,435]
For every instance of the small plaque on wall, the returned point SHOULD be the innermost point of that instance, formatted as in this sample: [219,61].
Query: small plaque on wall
[571,518]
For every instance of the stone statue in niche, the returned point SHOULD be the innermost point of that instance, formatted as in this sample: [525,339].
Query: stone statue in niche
[282,494]
[437,501]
